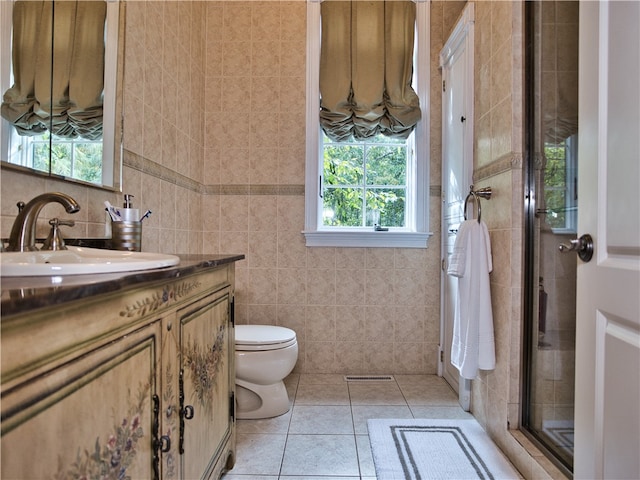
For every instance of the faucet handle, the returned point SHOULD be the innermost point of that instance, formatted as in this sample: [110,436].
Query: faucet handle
[66,223]
[55,241]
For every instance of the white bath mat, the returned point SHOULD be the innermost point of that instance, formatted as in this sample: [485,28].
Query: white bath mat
[436,449]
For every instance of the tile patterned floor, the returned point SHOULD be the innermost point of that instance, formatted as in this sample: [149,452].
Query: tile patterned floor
[324,434]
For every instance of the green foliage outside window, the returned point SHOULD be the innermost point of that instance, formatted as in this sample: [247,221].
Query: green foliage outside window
[560,176]
[555,184]
[79,159]
[364,183]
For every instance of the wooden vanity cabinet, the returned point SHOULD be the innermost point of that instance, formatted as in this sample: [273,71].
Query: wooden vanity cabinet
[205,376]
[89,416]
[138,384]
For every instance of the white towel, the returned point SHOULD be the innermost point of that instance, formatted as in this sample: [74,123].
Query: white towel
[458,259]
[473,344]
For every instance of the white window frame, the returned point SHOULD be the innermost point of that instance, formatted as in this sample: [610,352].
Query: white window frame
[416,234]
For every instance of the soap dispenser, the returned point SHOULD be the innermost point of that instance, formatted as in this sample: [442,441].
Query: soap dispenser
[128,213]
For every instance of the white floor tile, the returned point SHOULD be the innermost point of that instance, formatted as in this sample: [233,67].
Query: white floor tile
[431,395]
[322,379]
[320,455]
[233,476]
[425,411]
[372,393]
[365,458]
[259,454]
[362,413]
[321,419]
[422,380]
[278,424]
[319,394]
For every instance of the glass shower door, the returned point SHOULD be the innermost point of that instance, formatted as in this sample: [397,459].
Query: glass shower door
[548,409]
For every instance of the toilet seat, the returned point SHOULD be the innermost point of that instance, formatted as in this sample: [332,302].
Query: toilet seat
[251,338]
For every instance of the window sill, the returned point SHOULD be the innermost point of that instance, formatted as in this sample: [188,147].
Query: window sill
[370,238]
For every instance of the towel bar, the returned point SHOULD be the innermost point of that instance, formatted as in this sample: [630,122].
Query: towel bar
[476,195]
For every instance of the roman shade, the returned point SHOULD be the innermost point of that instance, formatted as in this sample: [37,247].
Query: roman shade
[366,68]
[58,68]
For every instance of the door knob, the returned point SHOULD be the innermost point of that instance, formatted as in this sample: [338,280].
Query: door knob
[583,246]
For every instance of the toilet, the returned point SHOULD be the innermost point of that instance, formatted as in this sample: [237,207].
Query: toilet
[265,355]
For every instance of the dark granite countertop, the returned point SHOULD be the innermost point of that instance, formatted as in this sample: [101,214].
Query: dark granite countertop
[25,294]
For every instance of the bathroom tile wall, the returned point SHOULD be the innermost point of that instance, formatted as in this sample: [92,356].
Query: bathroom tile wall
[355,310]
[498,164]
[164,120]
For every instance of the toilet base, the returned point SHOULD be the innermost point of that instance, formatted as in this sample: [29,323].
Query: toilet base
[260,401]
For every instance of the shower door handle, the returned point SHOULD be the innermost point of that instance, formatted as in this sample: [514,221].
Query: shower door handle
[583,246]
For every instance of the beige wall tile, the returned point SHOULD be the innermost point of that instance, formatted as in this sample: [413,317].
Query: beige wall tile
[321,286]
[262,314]
[350,323]
[350,357]
[320,323]
[351,287]
[291,250]
[292,286]
[290,166]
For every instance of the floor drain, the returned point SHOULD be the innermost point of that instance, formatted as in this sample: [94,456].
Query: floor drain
[368,378]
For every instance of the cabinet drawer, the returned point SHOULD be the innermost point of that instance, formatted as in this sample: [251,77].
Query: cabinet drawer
[37,341]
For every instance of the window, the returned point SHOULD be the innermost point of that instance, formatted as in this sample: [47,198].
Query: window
[364,183]
[72,158]
[370,193]
[560,185]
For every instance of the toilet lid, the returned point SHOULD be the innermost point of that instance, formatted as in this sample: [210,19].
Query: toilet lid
[263,337]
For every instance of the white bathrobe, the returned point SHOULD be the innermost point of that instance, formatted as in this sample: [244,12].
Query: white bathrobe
[473,345]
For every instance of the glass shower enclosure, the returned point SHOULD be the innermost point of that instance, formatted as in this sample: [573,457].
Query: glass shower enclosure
[551,216]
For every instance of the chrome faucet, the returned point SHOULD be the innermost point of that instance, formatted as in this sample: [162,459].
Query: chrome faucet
[23,232]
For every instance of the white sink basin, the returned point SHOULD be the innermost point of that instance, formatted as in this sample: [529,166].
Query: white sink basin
[79,261]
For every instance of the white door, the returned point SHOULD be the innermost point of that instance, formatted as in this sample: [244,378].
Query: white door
[607,400]
[456,61]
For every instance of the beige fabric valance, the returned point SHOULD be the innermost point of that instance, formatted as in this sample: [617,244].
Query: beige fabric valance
[366,67]
[58,68]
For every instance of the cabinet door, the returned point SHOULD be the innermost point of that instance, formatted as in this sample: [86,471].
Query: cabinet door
[91,417]
[204,378]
